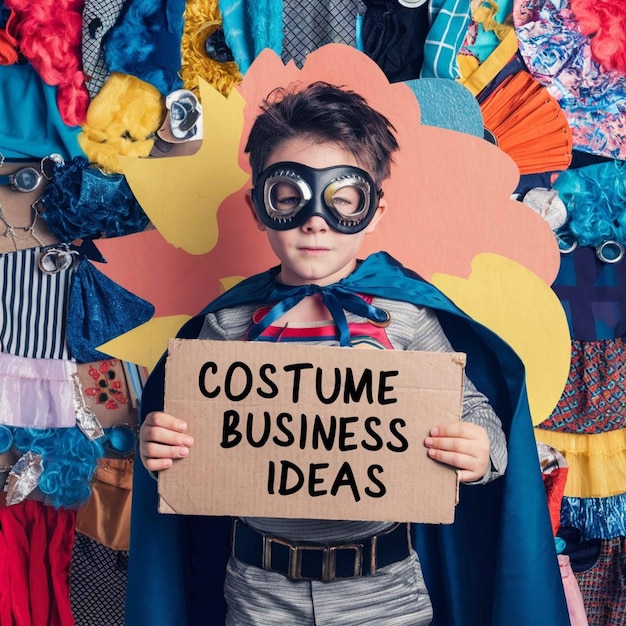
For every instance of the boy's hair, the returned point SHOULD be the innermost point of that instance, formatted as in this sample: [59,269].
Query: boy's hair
[327,114]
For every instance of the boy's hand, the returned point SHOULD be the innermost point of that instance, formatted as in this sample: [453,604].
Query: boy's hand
[463,445]
[162,438]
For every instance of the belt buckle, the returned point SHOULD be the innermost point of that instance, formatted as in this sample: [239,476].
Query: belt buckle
[329,559]
[330,564]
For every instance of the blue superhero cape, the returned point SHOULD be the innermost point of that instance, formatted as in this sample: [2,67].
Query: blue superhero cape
[496,565]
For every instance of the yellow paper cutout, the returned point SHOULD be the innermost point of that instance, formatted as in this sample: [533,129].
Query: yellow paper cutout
[145,344]
[230,282]
[181,195]
[518,306]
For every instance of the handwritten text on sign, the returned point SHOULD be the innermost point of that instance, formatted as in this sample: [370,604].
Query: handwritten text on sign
[309,431]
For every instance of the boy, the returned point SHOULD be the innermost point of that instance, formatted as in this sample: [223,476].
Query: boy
[318,158]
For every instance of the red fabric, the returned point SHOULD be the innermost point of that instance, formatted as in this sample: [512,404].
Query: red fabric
[36,544]
[554,482]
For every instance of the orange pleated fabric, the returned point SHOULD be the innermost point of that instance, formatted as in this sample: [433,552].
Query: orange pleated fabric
[528,124]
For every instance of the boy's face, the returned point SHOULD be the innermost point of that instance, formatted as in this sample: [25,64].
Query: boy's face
[315,253]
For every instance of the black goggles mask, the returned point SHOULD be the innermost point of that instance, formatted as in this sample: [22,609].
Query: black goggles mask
[288,194]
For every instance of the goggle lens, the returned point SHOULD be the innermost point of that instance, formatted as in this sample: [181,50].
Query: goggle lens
[285,196]
[349,198]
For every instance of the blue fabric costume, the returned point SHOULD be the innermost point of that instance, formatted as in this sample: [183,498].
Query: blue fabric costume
[495,566]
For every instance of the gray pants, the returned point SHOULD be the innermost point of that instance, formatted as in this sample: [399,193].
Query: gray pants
[395,596]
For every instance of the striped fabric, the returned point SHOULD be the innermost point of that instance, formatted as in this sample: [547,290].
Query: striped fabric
[396,596]
[32,307]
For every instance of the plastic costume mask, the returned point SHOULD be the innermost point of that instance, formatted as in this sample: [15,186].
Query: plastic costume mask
[288,194]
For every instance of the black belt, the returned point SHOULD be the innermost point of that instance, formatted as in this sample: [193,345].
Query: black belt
[327,562]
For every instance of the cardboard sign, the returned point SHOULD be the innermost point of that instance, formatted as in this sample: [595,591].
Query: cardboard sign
[284,430]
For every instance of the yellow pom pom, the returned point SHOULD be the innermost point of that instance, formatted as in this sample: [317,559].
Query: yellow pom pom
[122,119]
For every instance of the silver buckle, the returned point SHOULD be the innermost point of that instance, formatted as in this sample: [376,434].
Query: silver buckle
[610,251]
[329,558]
[55,258]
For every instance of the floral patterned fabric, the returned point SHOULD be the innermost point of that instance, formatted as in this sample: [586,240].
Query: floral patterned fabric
[559,56]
